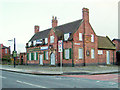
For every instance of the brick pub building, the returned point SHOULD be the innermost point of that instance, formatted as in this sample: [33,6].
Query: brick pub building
[81,45]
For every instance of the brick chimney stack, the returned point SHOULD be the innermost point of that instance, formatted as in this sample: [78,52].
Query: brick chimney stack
[36,29]
[54,21]
[85,14]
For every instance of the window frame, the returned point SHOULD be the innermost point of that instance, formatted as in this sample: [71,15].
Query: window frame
[52,39]
[92,53]
[80,37]
[79,53]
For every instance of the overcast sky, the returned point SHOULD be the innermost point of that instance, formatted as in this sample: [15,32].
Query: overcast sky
[18,17]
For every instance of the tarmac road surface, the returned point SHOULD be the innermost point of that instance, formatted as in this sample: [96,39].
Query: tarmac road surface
[20,80]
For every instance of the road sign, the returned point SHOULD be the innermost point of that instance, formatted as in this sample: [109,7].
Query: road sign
[14,53]
[60,46]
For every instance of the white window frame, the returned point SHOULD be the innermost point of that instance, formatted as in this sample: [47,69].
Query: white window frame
[35,55]
[6,50]
[80,50]
[29,44]
[34,42]
[100,52]
[30,56]
[67,54]
[46,40]
[80,36]
[66,36]
[92,38]
[46,54]
[51,39]
[92,53]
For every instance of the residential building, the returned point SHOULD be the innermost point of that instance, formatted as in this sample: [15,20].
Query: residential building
[4,51]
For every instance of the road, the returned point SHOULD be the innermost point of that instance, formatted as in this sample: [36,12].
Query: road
[19,80]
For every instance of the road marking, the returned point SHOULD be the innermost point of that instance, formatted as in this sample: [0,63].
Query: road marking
[2,77]
[97,81]
[30,84]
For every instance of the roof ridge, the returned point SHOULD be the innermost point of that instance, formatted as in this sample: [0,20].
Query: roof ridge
[69,22]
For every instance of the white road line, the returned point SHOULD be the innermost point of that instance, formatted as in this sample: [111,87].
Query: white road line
[2,77]
[30,84]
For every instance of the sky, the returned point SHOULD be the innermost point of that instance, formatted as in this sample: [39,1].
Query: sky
[18,17]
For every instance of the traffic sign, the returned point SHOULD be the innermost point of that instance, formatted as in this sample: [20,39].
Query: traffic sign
[14,53]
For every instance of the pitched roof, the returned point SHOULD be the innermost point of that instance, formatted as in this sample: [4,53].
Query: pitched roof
[59,30]
[105,43]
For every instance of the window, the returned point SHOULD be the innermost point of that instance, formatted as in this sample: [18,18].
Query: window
[29,56]
[51,39]
[92,38]
[34,43]
[46,40]
[80,53]
[92,53]
[100,52]
[46,53]
[80,36]
[66,53]
[5,50]
[29,43]
[66,36]
[34,55]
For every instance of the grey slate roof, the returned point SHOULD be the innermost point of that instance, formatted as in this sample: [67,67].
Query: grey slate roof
[59,30]
[105,43]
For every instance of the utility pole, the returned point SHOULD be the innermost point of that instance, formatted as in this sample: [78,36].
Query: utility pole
[14,52]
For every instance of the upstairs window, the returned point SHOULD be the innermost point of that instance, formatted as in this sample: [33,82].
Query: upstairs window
[80,36]
[29,44]
[51,39]
[66,36]
[92,38]
[34,43]
[46,40]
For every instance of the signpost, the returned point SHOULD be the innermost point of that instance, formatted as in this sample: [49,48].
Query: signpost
[60,49]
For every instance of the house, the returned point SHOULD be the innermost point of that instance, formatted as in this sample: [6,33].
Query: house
[81,45]
[4,51]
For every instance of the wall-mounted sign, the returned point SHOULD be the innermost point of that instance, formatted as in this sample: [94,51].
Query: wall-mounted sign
[33,49]
[77,43]
[44,48]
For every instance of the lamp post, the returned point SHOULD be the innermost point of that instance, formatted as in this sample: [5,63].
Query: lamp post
[14,52]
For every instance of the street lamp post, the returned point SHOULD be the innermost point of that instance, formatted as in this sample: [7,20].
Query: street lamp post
[14,52]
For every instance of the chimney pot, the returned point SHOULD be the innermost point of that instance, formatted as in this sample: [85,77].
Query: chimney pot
[36,29]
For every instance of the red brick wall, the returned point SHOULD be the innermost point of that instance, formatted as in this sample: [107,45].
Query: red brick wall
[102,59]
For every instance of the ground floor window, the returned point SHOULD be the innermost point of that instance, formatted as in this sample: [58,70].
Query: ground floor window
[67,53]
[29,56]
[80,53]
[92,53]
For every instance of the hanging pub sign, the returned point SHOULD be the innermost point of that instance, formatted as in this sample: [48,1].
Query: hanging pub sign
[60,46]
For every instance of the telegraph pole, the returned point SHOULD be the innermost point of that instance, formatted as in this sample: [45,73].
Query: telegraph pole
[14,52]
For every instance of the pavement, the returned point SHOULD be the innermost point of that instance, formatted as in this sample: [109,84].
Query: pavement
[45,70]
